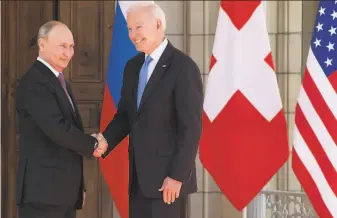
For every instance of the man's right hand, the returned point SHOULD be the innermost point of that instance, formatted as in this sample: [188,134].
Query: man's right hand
[102,145]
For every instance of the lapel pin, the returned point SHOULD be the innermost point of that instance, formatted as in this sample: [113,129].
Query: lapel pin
[164,65]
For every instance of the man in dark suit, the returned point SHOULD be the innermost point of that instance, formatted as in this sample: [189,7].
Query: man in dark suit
[52,142]
[160,109]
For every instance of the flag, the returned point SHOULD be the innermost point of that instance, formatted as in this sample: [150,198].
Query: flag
[115,167]
[314,158]
[244,140]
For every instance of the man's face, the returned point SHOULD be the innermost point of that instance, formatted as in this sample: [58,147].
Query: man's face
[58,48]
[144,31]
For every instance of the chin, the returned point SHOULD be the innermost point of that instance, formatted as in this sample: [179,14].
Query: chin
[63,66]
[139,48]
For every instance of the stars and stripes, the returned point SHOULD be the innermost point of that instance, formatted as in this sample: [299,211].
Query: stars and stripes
[325,37]
[315,136]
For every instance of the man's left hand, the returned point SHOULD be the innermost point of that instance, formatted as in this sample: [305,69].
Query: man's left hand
[171,190]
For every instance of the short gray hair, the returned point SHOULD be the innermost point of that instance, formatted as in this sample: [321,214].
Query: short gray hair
[47,27]
[156,11]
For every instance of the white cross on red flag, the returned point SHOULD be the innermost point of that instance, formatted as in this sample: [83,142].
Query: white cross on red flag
[244,140]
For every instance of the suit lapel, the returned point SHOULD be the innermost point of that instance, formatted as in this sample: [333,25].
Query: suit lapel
[136,68]
[75,113]
[58,88]
[159,71]
[62,95]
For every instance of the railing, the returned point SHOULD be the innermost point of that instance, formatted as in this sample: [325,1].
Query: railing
[280,204]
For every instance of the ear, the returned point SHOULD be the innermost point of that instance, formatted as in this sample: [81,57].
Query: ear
[159,24]
[41,44]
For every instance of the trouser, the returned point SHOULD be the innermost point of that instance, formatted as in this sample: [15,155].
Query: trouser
[141,206]
[38,210]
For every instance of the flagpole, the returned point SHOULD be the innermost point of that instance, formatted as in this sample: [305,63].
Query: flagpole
[244,212]
[264,2]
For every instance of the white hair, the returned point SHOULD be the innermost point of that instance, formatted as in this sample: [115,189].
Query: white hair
[47,27]
[150,6]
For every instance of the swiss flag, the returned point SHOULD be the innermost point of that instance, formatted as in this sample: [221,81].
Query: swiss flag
[244,140]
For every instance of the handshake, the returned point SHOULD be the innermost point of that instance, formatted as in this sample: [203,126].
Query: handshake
[102,145]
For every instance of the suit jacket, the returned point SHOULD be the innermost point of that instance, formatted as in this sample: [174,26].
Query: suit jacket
[52,141]
[164,132]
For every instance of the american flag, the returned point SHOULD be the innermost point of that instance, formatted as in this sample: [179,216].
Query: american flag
[315,135]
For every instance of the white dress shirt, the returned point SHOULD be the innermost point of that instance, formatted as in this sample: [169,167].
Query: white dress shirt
[49,66]
[156,54]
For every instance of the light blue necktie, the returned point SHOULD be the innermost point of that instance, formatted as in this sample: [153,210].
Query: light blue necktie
[143,79]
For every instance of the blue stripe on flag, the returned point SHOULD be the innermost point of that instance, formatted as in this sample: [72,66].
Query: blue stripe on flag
[122,49]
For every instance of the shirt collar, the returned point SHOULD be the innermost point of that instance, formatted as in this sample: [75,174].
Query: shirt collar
[159,50]
[49,66]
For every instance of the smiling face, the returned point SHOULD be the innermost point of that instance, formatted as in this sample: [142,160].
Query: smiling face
[145,31]
[58,47]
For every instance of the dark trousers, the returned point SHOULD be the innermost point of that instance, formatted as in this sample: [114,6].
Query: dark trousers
[37,210]
[142,207]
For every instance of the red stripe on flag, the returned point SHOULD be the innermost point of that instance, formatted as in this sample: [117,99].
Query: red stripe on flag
[233,151]
[320,105]
[333,80]
[108,109]
[115,167]
[316,149]
[309,186]
[239,11]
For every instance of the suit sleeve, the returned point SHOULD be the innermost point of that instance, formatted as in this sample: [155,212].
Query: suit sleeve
[118,128]
[189,103]
[38,102]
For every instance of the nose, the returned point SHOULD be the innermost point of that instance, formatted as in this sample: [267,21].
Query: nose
[132,34]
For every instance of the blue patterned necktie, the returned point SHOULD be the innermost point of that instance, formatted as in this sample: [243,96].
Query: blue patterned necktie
[143,79]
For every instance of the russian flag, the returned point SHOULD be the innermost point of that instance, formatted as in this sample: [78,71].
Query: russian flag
[115,167]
